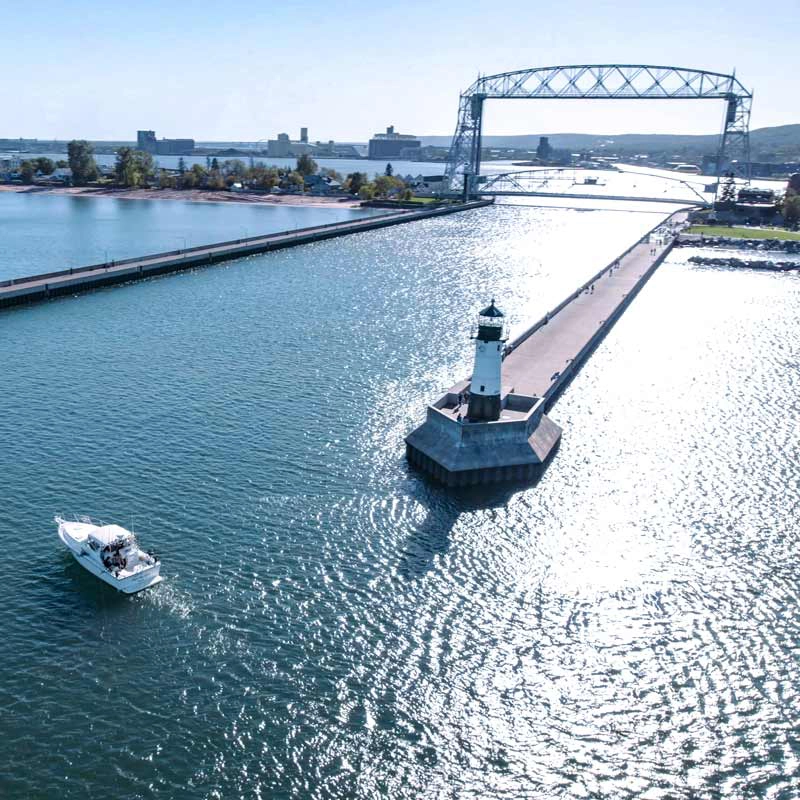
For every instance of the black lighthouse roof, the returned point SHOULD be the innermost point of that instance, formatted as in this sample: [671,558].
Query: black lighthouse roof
[492,311]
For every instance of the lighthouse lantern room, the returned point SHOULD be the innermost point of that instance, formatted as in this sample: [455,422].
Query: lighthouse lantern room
[484,391]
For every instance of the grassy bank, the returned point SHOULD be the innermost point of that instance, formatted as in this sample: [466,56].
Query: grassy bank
[743,233]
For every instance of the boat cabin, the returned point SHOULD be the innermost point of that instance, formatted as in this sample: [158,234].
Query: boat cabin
[110,541]
[112,537]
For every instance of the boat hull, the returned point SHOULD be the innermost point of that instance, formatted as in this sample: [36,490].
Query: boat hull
[129,584]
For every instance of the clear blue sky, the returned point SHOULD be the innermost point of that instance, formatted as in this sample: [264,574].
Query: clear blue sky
[246,70]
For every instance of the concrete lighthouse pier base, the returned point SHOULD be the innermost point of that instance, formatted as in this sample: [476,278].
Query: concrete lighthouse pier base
[459,452]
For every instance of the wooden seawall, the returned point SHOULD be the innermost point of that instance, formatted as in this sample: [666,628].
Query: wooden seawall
[80,279]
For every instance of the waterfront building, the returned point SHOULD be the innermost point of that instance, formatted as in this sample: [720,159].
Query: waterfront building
[146,141]
[279,148]
[175,147]
[430,185]
[9,165]
[394,145]
[543,150]
[60,175]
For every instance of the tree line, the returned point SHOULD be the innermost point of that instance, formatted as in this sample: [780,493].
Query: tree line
[137,169]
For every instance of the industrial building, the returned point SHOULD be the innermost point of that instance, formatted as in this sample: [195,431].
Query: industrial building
[146,140]
[284,147]
[394,145]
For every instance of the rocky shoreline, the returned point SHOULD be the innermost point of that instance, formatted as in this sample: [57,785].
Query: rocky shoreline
[741,263]
[730,243]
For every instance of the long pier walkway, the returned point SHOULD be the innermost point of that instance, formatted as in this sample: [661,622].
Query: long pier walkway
[80,279]
[543,358]
[460,451]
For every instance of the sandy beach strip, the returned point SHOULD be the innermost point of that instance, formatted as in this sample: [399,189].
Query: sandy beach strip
[191,195]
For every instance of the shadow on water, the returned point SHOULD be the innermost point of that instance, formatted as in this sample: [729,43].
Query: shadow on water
[445,506]
[90,593]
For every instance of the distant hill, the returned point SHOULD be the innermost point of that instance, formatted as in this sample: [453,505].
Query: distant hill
[780,143]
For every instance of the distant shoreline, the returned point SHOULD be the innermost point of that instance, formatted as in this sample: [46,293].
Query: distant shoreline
[191,195]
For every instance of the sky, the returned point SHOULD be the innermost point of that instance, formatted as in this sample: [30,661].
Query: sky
[245,71]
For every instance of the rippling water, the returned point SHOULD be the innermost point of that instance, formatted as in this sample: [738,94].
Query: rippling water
[332,625]
[43,233]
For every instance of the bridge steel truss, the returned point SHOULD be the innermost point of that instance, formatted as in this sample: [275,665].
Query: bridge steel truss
[535,182]
[600,82]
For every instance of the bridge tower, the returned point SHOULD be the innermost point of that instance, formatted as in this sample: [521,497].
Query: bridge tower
[484,391]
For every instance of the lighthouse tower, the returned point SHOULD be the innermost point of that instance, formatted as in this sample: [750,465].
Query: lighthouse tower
[484,390]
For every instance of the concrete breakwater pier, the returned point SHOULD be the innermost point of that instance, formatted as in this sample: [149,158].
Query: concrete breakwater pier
[79,279]
[458,449]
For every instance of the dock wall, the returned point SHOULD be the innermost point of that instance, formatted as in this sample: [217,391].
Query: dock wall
[35,288]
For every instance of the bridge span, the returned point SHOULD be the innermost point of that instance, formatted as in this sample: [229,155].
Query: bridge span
[600,82]
[588,184]
[638,199]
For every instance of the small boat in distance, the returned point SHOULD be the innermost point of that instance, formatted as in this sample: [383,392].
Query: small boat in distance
[111,553]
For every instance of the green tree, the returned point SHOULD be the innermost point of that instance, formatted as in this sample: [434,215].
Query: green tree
[354,182]
[386,184]
[182,166]
[145,166]
[332,174]
[791,210]
[44,165]
[188,180]
[216,182]
[389,171]
[263,177]
[294,180]
[306,165]
[195,178]
[133,167]
[81,161]
[27,169]
[165,180]
[366,191]
[61,164]
[234,166]
[214,163]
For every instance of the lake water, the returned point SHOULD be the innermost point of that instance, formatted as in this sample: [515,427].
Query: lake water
[43,233]
[332,625]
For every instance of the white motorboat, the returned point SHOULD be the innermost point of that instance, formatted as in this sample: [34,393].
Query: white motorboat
[111,553]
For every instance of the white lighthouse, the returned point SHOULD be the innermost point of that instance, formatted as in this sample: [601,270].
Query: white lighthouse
[484,390]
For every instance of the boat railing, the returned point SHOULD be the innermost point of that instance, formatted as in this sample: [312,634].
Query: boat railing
[84,518]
